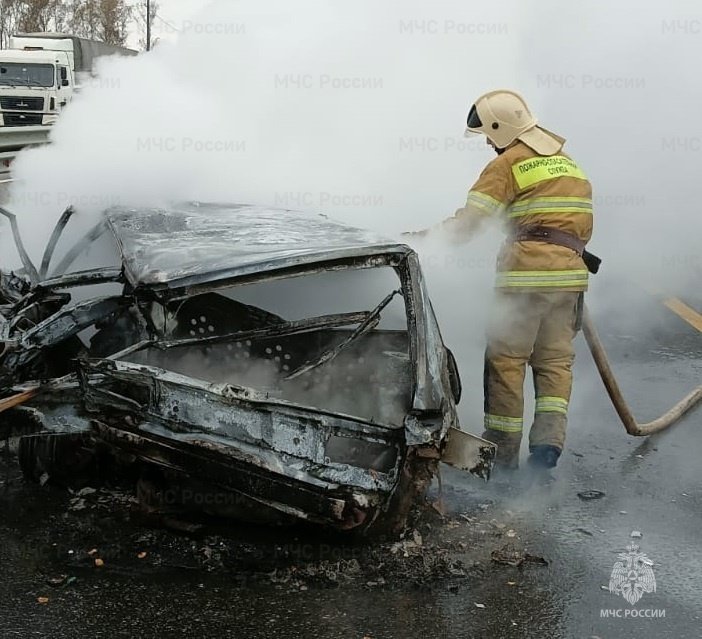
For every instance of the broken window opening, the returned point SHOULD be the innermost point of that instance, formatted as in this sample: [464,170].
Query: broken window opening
[264,336]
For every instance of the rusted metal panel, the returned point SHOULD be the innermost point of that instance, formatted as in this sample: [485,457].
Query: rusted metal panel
[265,430]
[468,452]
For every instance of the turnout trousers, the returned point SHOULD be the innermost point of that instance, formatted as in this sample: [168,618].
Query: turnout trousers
[535,328]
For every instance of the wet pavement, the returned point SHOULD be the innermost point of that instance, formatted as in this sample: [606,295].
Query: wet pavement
[438,582]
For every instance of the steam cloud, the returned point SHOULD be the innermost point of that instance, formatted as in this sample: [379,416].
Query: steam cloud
[357,110]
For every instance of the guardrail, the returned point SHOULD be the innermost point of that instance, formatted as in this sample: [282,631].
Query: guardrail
[5,162]
[13,138]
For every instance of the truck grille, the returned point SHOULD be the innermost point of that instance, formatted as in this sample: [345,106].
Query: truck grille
[16,103]
[22,119]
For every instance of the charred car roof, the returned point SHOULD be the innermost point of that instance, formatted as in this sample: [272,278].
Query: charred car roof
[189,243]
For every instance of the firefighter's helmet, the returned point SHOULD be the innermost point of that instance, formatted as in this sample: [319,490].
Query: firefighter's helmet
[503,117]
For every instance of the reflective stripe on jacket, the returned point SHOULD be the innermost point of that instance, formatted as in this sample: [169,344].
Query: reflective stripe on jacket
[528,189]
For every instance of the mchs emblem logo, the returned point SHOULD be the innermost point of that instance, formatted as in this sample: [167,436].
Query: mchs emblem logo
[632,575]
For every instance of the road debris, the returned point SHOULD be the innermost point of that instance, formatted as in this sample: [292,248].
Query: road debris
[57,581]
[588,495]
[78,503]
[510,556]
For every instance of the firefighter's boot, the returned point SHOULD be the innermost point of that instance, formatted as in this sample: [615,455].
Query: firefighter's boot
[543,456]
[508,445]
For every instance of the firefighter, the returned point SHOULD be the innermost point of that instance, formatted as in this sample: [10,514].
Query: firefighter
[546,201]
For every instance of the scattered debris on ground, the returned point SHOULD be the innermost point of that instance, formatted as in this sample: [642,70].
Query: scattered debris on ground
[511,556]
[588,495]
[97,531]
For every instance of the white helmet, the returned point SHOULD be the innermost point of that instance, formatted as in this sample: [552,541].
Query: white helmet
[503,117]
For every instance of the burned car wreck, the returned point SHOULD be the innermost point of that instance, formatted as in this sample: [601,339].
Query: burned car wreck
[288,361]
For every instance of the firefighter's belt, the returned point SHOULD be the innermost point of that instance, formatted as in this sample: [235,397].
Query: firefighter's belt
[549,235]
[535,233]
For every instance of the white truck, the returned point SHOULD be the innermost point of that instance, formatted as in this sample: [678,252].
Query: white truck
[40,72]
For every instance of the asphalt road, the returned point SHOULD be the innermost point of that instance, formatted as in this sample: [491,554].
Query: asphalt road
[651,489]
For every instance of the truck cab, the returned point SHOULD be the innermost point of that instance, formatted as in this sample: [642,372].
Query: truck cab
[39,74]
[34,86]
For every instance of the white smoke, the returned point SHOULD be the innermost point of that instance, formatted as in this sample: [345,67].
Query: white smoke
[357,110]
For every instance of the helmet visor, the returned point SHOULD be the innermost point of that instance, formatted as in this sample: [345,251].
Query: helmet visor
[473,121]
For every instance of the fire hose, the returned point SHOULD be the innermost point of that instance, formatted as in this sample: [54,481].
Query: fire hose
[615,393]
